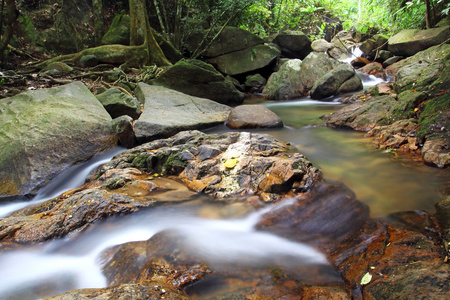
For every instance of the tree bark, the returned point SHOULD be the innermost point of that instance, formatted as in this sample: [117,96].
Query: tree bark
[11,16]
[428,14]
[141,34]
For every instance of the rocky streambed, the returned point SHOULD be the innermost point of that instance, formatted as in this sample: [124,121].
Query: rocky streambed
[236,215]
[225,216]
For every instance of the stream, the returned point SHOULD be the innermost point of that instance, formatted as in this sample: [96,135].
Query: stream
[385,182]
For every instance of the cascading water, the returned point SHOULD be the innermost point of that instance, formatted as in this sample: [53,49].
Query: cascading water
[68,179]
[72,263]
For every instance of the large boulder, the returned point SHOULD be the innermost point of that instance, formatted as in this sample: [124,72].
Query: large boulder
[167,112]
[341,79]
[293,44]
[44,131]
[247,60]
[426,68]
[285,83]
[253,116]
[118,103]
[199,79]
[230,39]
[410,41]
[296,78]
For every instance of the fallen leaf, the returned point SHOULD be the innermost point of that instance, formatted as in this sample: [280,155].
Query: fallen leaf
[366,278]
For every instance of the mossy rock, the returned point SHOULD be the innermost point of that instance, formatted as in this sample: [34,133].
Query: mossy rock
[410,41]
[118,32]
[44,131]
[199,79]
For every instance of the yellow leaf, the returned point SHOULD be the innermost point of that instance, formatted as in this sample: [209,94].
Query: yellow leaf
[230,163]
[366,278]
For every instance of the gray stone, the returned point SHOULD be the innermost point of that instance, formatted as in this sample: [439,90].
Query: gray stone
[167,112]
[123,127]
[118,103]
[231,39]
[284,84]
[253,116]
[329,84]
[293,44]
[321,45]
[199,79]
[44,131]
[391,61]
[247,60]
[410,41]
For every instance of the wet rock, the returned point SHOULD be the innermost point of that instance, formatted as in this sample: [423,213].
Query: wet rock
[296,78]
[123,127]
[330,84]
[60,216]
[199,79]
[375,69]
[118,103]
[64,125]
[411,41]
[149,290]
[329,212]
[253,116]
[364,116]
[247,164]
[246,60]
[359,62]
[400,255]
[293,44]
[443,216]
[167,112]
[400,135]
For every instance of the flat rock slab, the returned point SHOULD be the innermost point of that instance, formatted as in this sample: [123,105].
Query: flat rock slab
[410,41]
[44,131]
[167,112]
[253,116]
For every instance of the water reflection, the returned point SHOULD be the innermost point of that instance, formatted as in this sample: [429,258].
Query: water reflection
[386,183]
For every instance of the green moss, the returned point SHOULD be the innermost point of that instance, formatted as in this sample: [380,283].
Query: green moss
[433,114]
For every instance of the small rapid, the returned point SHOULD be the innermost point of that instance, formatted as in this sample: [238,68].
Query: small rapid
[73,262]
[68,179]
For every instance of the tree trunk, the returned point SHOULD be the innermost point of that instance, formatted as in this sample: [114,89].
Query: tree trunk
[140,33]
[428,15]
[11,16]
[97,7]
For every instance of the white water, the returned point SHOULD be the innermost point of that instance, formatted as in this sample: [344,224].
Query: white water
[73,264]
[68,179]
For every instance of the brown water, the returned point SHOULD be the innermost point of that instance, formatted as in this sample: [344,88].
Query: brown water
[384,181]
